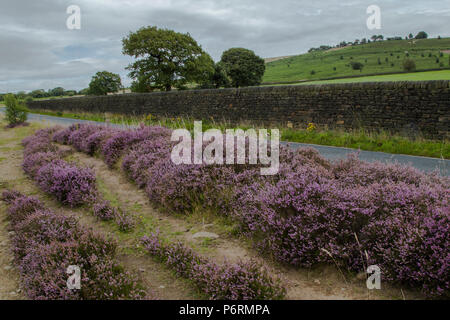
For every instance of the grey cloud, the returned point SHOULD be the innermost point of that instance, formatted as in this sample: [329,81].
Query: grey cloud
[38,51]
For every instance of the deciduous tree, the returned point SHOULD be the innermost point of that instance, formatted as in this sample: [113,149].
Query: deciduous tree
[165,59]
[243,67]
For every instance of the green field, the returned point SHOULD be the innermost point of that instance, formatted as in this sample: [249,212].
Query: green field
[377,57]
[415,76]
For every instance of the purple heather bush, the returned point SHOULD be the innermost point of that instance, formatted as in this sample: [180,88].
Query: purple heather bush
[77,138]
[93,142]
[104,211]
[45,244]
[8,196]
[62,135]
[114,147]
[70,184]
[39,142]
[397,214]
[33,162]
[240,281]
[124,220]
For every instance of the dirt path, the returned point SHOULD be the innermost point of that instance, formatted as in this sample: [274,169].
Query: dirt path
[320,283]
[10,171]
[9,277]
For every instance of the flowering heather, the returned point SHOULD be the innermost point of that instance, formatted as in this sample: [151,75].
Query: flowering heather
[114,147]
[124,220]
[33,162]
[397,214]
[39,142]
[240,281]
[70,184]
[92,142]
[77,138]
[104,211]
[62,135]
[45,244]
[8,196]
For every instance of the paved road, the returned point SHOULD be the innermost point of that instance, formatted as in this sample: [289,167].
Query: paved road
[332,153]
[422,163]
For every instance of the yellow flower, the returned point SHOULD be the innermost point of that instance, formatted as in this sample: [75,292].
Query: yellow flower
[311,127]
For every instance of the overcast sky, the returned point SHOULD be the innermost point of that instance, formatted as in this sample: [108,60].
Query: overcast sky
[38,51]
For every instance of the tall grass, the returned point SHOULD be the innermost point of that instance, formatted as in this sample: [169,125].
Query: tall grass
[363,139]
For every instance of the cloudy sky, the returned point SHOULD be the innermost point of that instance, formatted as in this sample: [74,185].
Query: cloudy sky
[38,51]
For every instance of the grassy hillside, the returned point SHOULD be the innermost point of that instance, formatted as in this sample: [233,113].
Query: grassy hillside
[413,76]
[377,57]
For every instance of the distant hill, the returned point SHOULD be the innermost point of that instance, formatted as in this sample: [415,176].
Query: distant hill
[267,60]
[377,57]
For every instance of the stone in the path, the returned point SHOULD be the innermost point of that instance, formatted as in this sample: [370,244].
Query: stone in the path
[204,234]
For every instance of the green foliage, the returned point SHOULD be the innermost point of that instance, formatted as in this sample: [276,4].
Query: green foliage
[21,95]
[70,93]
[140,85]
[38,93]
[243,67]
[357,65]
[56,92]
[84,91]
[16,112]
[217,80]
[422,35]
[104,82]
[409,65]
[165,59]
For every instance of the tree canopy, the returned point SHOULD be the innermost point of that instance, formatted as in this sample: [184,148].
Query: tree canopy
[165,59]
[243,67]
[104,82]
[422,35]
[16,112]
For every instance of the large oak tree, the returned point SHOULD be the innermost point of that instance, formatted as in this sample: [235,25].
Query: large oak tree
[104,82]
[165,59]
[243,67]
